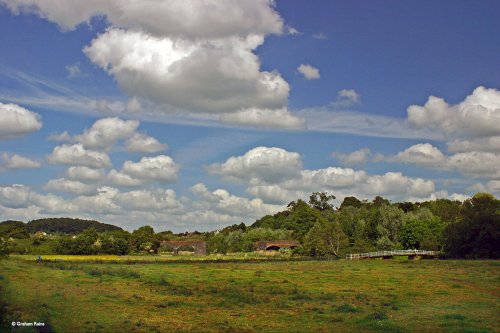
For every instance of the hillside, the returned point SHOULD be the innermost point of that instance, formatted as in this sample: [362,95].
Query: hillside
[67,225]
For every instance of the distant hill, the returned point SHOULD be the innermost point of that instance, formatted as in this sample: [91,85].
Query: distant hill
[14,229]
[67,225]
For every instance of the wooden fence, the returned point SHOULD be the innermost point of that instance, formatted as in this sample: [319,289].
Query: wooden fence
[392,253]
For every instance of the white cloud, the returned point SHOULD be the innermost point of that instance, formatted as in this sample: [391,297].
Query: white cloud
[157,200]
[133,105]
[205,76]
[79,156]
[276,176]
[276,194]
[292,31]
[357,157]
[71,186]
[396,184]
[102,203]
[105,132]
[319,35]
[159,168]
[477,116]
[346,98]
[491,144]
[223,202]
[168,52]
[61,137]
[73,70]
[478,164]
[270,118]
[17,121]
[493,186]
[121,179]
[15,161]
[260,163]
[15,196]
[423,154]
[108,107]
[309,72]
[84,174]
[142,143]
[180,18]
[327,119]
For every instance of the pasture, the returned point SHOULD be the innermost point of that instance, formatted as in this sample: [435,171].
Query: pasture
[114,294]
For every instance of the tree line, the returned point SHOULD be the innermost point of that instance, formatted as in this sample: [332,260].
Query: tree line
[469,229]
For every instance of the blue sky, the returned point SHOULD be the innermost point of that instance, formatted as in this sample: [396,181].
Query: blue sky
[192,115]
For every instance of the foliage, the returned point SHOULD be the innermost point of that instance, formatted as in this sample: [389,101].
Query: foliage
[67,225]
[321,201]
[299,218]
[144,240]
[239,241]
[464,230]
[477,233]
[422,230]
[13,229]
[325,239]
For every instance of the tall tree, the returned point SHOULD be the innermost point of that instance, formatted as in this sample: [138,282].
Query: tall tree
[321,201]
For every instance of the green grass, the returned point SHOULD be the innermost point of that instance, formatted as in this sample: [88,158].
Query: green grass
[108,294]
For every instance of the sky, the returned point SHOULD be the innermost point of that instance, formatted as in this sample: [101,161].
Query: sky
[193,115]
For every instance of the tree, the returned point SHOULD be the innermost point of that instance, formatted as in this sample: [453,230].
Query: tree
[321,201]
[13,229]
[477,233]
[350,202]
[325,239]
[140,239]
[422,230]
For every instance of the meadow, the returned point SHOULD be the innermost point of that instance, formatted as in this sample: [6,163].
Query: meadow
[131,294]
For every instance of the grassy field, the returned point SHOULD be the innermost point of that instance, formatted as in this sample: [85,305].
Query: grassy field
[269,296]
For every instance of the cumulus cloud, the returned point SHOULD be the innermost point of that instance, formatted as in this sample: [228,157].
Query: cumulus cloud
[260,163]
[77,155]
[206,76]
[270,118]
[493,186]
[84,174]
[15,161]
[477,116]
[133,105]
[346,98]
[309,72]
[17,121]
[210,209]
[277,176]
[105,132]
[121,179]
[71,186]
[142,143]
[185,56]
[423,154]
[15,196]
[61,137]
[490,144]
[396,184]
[147,200]
[160,168]
[357,157]
[474,163]
[222,202]
[180,18]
